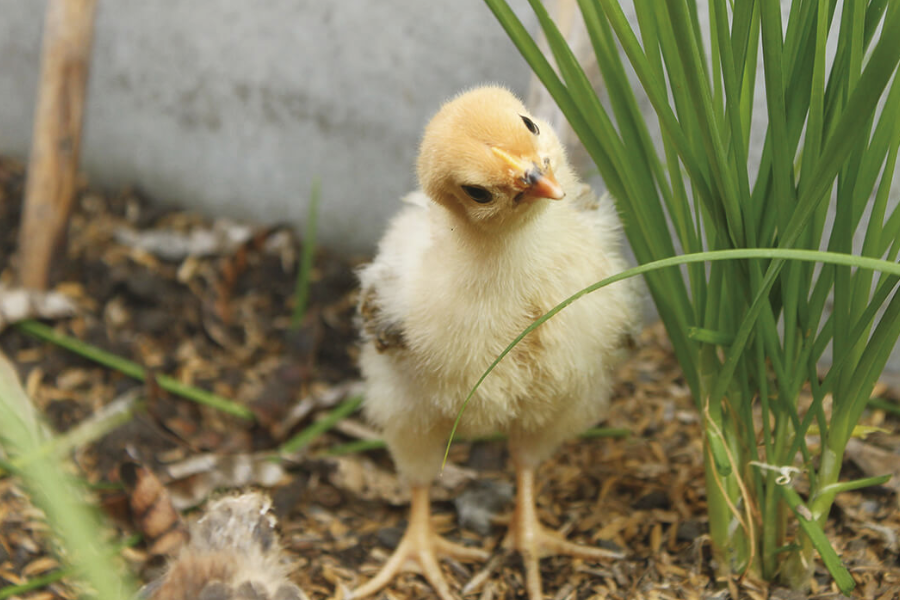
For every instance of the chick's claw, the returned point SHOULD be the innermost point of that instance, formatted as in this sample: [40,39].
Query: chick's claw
[534,541]
[418,551]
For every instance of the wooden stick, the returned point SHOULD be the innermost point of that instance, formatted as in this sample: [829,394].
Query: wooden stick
[65,57]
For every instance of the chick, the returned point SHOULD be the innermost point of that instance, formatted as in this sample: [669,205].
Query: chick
[233,554]
[501,232]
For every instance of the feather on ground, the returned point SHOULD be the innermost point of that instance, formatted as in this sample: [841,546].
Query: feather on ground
[233,554]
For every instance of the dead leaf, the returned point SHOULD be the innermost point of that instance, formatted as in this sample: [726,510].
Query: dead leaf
[152,510]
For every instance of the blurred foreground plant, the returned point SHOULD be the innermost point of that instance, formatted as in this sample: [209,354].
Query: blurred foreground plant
[60,495]
[749,334]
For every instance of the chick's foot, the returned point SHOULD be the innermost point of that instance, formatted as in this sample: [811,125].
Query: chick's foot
[534,541]
[419,550]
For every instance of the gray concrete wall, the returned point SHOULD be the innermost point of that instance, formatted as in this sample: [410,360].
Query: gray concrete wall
[234,107]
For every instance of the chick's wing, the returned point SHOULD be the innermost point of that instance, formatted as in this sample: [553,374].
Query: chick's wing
[384,295]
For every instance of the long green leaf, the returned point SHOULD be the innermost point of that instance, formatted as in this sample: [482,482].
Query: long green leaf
[812,528]
[132,369]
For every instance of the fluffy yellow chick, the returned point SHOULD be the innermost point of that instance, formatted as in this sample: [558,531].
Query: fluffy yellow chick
[502,231]
[233,554]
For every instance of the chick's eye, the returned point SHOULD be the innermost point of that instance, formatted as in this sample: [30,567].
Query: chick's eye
[478,194]
[531,125]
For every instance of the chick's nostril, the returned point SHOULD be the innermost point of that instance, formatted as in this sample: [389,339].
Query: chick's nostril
[532,175]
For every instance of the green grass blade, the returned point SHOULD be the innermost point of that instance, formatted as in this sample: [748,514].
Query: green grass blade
[851,486]
[558,91]
[307,256]
[724,188]
[782,157]
[82,434]
[359,446]
[132,369]
[311,433]
[655,92]
[814,531]
[850,128]
[885,405]
[42,581]
[642,154]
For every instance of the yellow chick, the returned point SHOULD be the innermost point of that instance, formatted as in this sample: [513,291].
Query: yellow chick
[502,231]
[233,554]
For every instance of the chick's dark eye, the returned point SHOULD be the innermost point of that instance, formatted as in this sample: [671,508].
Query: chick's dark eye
[531,125]
[478,194]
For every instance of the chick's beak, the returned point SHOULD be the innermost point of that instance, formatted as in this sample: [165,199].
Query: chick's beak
[539,183]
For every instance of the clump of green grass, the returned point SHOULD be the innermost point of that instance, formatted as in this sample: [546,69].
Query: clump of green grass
[307,256]
[749,334]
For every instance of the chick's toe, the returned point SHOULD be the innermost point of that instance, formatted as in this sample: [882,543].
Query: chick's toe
[419,550]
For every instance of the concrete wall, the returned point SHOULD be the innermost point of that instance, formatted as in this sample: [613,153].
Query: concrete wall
[234,107]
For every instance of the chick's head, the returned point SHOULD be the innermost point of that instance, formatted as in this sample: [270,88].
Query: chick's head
[481,158]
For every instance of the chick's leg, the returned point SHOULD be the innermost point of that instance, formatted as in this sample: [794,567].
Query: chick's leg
[420,546]
[533,540]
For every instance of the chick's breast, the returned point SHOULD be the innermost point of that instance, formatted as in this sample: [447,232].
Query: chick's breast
[458,308]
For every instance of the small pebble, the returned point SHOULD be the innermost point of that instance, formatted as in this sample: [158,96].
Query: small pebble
[655,499]
[389,537]
[480,502]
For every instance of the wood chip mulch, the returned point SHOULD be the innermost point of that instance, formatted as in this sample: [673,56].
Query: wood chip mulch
[209,303]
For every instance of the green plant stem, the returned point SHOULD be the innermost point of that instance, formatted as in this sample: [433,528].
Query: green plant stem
[35,583]
[885,405]
[358,446]
[771,536]
[304,275]
[132,369]
[46,579]
[355,447]
[858,484]
[305,437]
[56,492]
[829,472]
[720,517]
[80,435]
[816,536]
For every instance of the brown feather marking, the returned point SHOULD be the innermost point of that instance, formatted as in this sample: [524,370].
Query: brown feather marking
[530,349]
[385,336]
